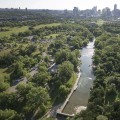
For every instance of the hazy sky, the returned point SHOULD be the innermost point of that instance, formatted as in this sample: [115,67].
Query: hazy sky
[58,4]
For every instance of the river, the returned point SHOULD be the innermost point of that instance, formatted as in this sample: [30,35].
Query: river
[79,98]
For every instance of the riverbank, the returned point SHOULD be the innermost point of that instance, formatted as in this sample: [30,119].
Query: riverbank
[79,99]
[52,112]
[60,110]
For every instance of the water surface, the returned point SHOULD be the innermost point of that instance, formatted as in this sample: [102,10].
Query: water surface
[81,95]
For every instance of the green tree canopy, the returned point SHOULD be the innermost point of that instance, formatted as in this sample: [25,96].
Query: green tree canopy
[65,71]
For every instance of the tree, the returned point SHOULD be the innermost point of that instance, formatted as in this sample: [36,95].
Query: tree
[65,71]
[63,90]
[85,42]
[61,56]
[38,97]
[31,48]
[18,70]
[23,90]
[111,93]
[42,68]
[99,72]
[41,78]
[73,58]
[9,115]
[9,101]
[97,32]
[3,86]
[116,109]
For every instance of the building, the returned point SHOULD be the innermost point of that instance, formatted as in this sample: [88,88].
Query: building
[75,12]
[99,12]
[94,10]
[116,12]
[106,13]
[115,7]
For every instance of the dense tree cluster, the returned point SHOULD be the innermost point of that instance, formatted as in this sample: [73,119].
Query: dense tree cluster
[16,17]
[112,27]
[25,101]
[104,101]
[33,51]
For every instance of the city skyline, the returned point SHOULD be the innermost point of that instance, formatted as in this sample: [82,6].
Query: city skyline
[59,4]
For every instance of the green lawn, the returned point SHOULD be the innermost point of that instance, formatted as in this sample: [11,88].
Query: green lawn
[72,80]
[47,25]
[100,22]
[14,30]
[53,36]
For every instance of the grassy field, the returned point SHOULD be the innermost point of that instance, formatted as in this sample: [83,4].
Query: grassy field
[14,30]
[72,80]
[46,25]
[100,22]
[53,36]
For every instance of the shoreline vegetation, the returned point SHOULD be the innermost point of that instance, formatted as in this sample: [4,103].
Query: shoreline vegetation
[44,46]
[39,59]
[104,101]
[60,110]
[59,107]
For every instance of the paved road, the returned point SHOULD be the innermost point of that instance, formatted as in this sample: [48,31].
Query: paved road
[34,70]
[51,113]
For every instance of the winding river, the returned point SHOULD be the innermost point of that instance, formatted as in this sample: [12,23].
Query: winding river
[79,98]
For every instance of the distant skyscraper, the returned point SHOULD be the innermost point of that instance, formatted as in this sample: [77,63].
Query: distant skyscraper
[99,12]
[115,7]
[106,13]
[65,11]
[75,11]
[94,10]
[26,9]
[116,12]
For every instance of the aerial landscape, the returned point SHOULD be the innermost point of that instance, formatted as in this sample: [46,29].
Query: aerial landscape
[59,60]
